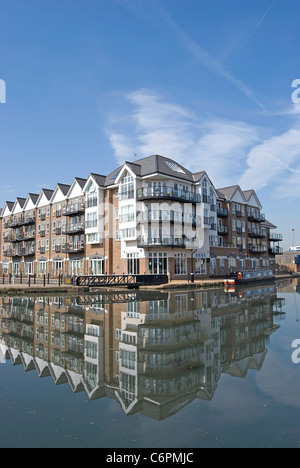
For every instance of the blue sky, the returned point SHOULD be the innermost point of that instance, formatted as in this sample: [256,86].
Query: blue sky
[93,83]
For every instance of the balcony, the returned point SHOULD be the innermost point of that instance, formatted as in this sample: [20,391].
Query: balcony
[167,193]
[226,245]
[275,237]
[275,250]
[73,228]
[257,233]
[222,230]
[22,221]
[74,209]
[162,216]
[9,253]
[74,248]
[25,252]
[256,217]
[145,242]
[22,237]
[222,212]
[257,249]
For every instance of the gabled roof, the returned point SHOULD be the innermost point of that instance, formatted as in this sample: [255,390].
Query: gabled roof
[100,179]
[229,192]
[251,193]
[156,164]
[198,176]
[9,205]
[97,178]
[268,224]
[34,197]
[159,164]
[64,188]
[21,201]
[80,181]
[48,193]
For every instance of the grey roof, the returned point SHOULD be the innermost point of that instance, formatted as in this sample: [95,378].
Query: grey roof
[228,192]
[34,197]
[21,201]
[221,194]
[64,188]
[10,205]
[198,176]
[80,181]
[268,224]
[159,164]
[156,164]
[48,193]
[110,179]
[100,179]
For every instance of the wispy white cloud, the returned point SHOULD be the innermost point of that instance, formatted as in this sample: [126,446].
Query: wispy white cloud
[276,161]
[230,151]
[152,125]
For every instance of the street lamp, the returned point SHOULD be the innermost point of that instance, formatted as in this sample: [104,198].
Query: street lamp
[293,237]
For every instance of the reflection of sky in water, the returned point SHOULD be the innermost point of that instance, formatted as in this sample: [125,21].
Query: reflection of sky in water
[260,409]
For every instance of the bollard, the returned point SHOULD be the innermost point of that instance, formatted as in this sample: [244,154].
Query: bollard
[29,281]
[44,280]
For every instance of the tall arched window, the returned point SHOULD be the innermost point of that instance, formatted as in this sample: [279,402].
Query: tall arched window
[127,187]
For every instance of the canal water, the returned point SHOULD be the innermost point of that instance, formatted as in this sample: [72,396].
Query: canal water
[160,370]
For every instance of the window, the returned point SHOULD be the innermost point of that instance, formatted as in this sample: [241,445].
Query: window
[158,263]
[93,238]
[127,214]
[180,264]
[174,167]
[128,233]
[127,187]
[133,264]
[97,266]
[200,266]
[128,359]
[91,220]
[91,349]
[92,199]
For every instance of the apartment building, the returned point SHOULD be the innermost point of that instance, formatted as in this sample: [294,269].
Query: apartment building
[150,216]
[245,237]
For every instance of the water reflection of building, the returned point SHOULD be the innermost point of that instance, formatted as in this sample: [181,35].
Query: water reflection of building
[152,353]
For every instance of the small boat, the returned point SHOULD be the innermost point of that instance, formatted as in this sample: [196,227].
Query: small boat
[242,277]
